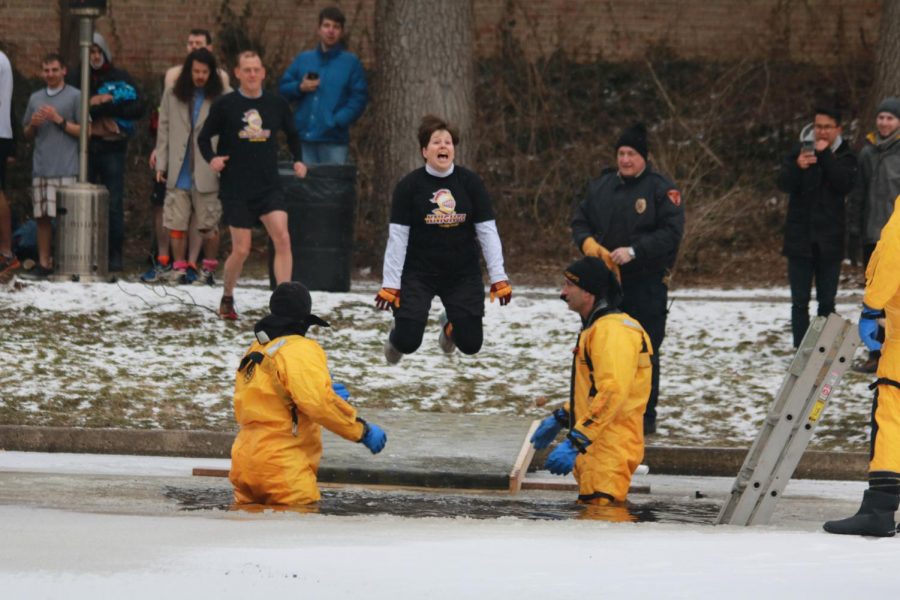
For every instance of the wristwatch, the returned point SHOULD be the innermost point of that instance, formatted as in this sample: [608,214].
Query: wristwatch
[62,125]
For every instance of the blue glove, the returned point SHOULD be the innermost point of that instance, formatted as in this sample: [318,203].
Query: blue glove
[549,428]
[374,438]
[868,328]
[341,390]
[562,460]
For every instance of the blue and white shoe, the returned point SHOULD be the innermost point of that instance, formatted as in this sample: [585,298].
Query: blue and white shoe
[189,276]
[156,274]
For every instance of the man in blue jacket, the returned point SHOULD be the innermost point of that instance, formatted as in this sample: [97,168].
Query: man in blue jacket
[327,89]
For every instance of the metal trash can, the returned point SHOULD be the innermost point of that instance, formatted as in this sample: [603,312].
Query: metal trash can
[82,232]
[321,211]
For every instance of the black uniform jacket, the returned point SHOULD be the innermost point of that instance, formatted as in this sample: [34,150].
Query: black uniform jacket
[644,212]
[815,212]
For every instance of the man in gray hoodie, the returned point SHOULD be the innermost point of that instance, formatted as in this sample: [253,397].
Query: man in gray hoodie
[878,184]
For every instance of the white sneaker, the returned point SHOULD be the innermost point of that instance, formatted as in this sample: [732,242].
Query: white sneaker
[448,346]
[391,354]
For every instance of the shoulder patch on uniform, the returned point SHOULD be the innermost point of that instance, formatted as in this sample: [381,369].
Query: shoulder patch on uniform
[675,196]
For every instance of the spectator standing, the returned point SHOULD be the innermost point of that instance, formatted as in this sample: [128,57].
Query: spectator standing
[817,173]
[115,104]
[197,38]
[632,218]
[52,121]
[328,88]
[8,261]
[246,157]
[877,186]
[192,186]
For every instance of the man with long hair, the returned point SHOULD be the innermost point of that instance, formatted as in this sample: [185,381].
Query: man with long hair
[191,185]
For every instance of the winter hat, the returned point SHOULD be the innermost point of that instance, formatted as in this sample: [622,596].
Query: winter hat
[634,137]
[291,300]
[891,104]
[592,275]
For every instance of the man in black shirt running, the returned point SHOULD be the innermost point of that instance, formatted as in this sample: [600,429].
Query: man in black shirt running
[246,158]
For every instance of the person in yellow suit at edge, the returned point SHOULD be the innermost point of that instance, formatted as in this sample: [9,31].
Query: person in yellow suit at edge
[882,298]
[611,377]
[283,396]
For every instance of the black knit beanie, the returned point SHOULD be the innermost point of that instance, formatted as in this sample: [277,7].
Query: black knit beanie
[634,137]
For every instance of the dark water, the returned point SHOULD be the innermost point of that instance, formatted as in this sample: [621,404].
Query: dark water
[418,504]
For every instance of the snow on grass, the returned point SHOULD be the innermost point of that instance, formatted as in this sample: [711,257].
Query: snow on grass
[132,355]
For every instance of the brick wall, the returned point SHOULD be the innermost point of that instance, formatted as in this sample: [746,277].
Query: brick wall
[147,37]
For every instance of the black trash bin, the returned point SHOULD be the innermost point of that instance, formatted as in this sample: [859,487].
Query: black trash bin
[321,210]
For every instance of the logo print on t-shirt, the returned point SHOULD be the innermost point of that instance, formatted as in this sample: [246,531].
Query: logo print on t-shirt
[253,131]
[445,214]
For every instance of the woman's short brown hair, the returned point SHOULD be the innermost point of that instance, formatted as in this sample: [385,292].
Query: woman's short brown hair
[432,123]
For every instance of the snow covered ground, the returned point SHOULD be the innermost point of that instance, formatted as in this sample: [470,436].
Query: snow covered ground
[58,546]
[132,355]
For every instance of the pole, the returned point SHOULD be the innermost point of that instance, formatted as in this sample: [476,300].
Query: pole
[86,38]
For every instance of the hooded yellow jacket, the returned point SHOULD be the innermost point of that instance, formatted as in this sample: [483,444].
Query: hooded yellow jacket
[883,292]
[610,389]
[282,395]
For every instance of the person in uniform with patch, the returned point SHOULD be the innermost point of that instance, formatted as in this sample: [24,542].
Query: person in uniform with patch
[881,301]
[283,396]
[441,214]
[611,379]
[632,218]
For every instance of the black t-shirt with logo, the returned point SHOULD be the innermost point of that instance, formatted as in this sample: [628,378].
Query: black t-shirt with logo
[246,128]
[441,213]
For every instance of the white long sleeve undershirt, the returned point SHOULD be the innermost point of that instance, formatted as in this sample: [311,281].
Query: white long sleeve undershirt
[395,255]
[492,249]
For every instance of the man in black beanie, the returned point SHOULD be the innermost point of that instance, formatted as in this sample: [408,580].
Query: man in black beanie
[632,218]
[283,396]
[611,375]
[871,203]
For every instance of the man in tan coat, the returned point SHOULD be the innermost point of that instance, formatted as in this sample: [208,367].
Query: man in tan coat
[191,185]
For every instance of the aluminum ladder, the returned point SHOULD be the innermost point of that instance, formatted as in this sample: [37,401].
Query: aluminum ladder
[822,359]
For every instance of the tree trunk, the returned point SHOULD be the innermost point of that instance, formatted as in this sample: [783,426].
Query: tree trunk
[424,51]
[887,67]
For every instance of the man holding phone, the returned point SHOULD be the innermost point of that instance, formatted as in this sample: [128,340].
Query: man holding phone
[328,91]
[818,174]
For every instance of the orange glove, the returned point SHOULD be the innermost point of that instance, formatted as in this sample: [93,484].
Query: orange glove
[590,247]
[387,298]
[503,291]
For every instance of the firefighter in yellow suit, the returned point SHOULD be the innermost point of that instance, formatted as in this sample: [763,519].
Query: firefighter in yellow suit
[882,299]
[611,377]
[283,394]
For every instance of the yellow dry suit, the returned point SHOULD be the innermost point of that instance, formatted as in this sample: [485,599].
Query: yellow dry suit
[282,396]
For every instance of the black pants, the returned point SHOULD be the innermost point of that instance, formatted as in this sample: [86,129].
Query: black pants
[646,299]
[463,297]
[802,271]
[467,334]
